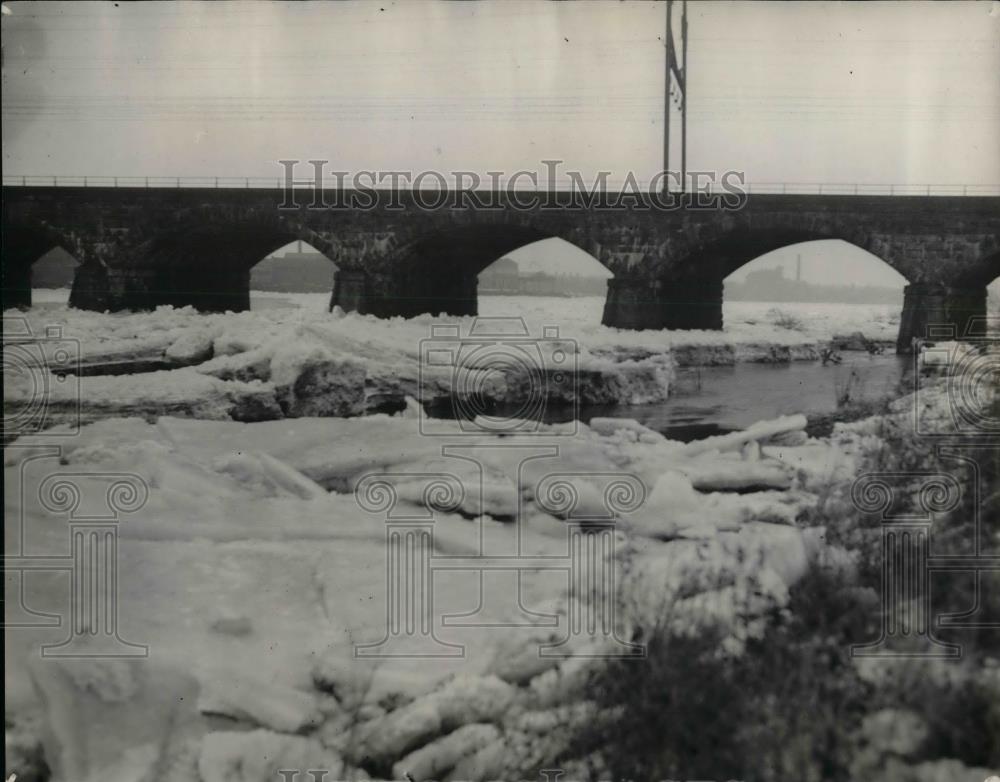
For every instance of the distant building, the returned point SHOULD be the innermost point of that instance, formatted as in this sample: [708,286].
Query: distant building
[540,284]
[772,285]
[767,281]
[504,278]
[501,277]
[298,271]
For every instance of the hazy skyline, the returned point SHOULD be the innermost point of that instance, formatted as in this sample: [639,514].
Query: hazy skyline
[788,92]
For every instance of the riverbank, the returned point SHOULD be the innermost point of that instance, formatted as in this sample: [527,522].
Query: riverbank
[257,566]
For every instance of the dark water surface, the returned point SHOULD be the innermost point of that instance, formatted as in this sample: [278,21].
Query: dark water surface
[714,400]
[706,401]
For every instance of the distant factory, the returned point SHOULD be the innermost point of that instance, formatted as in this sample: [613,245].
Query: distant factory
[504,278]
[772,285]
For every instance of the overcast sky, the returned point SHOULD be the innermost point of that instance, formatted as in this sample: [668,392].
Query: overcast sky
[796,92]
[787,92]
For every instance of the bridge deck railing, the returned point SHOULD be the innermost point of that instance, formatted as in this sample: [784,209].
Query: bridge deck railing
[277,183]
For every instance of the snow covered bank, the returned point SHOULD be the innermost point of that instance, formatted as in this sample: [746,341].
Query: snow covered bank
[253,571]
[259,562]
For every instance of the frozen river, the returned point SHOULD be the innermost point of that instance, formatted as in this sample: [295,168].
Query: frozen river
[581,316]
[755,381]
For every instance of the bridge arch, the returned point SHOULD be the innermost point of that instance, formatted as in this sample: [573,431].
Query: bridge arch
[438,270]
[203,259]
[549,267]
[683,288]
[24,244]
[54,272]
[724,253]
[802,281]
[984,273]
[297,267]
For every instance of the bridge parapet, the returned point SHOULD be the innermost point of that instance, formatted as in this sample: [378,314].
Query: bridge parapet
[333,183]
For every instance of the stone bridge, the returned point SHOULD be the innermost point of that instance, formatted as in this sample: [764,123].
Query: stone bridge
[142,247]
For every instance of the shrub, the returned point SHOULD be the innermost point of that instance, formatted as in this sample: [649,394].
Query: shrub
[786,708]
[791,706]
[785,320]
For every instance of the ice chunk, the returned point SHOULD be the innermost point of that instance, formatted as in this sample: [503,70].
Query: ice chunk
[192,347]
[261,469]
[721,474]
[761,430]
[434,760]
[386,739]
[97,709]
[609,426]
[258,755]
[272,706]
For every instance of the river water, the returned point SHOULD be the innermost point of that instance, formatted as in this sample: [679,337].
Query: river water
[705,401]
[712,400]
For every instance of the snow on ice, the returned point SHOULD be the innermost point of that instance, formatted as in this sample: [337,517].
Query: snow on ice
[299,360]
[254,526]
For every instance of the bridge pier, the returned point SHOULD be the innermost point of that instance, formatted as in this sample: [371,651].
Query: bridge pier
[632,304]
[222,290]
[405,295]
[350,290]
[695,304]
[97,287]
[91,289]
[16,285]
[133,289]
[642,304]
[939,307]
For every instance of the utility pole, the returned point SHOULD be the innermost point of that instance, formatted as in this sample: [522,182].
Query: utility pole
[668,43]
[675,72]
[684,94]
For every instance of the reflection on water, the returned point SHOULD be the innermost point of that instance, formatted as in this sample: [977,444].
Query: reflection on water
[711,400]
